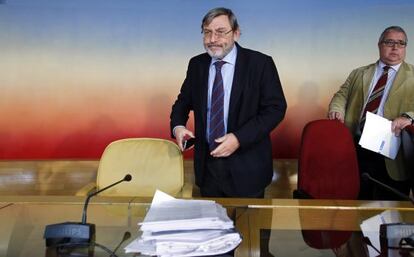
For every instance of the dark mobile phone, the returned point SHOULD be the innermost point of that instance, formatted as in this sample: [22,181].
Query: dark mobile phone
[188,143]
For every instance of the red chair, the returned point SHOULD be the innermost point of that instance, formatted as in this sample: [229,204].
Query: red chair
[327,169]
[328,166]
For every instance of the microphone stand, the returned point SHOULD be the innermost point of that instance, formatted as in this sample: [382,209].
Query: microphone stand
[366,176]
[90,195]
[75,233]
[126,236]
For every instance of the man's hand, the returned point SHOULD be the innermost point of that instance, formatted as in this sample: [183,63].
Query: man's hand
[399,124]
[228,144]
[182,134]
[336,116]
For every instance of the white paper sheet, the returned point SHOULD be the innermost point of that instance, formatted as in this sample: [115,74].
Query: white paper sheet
[378,137]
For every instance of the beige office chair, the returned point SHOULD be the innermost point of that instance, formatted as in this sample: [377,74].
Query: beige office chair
[153,164]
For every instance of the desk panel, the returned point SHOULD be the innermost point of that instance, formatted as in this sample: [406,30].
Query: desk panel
[309,231]
[269,227]
[22,226]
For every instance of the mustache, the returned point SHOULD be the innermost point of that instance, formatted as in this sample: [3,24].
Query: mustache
[214,45]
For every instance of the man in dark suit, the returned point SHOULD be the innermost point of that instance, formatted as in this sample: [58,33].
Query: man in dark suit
[237,100]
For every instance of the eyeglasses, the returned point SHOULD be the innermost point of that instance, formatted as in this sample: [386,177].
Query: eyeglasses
[218,33]
[392,43]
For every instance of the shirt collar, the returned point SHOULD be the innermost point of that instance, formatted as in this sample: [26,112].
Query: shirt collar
[394,67]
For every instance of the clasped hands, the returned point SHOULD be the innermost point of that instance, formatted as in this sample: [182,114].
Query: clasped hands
[228,143]
[397,124]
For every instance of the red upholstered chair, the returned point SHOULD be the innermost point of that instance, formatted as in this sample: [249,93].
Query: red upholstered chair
[328,167]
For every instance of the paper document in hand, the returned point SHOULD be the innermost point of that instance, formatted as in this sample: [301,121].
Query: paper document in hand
[378,137]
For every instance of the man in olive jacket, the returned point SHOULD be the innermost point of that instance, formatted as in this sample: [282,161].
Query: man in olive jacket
[396,104]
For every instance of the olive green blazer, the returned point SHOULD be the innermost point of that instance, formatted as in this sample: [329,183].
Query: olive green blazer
[350,98]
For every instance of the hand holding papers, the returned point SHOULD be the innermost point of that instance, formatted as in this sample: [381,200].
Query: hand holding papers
[378,137]
[175,227]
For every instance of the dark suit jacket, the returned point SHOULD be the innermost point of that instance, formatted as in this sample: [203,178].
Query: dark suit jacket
[257,105]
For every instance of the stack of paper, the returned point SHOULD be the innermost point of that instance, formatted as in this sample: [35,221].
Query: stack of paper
[176,227]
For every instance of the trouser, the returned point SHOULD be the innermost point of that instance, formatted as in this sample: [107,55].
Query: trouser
[374,164]
[218,180]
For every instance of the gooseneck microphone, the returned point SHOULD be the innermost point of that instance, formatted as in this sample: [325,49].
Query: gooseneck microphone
[365,176]
[127,178]
[75,233]
[126,236]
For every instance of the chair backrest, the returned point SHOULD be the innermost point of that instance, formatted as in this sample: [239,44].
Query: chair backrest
[334,221]
[328,167]
[153,164]
[325,239]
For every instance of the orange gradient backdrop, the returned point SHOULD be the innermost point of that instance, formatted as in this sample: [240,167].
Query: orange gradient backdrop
[76,75]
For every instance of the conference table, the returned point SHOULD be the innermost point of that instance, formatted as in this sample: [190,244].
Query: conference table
[269,227]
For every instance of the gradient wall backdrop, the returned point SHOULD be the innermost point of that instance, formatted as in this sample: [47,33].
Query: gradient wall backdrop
[78,74]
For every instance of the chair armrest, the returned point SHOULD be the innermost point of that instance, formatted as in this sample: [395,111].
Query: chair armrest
[187,191]
[86,189]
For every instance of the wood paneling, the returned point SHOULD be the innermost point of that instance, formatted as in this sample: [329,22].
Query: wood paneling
[66,177]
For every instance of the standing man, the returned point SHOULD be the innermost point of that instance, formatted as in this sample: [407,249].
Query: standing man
[387,89]
[237,100]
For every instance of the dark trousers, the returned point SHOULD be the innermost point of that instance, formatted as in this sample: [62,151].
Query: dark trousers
[218,180]
[374,164]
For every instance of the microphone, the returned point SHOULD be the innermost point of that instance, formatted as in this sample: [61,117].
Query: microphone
[127,178]
[126,236]
[75,232]
[365,176]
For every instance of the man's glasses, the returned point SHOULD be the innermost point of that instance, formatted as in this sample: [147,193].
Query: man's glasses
[218,33]
[392,43]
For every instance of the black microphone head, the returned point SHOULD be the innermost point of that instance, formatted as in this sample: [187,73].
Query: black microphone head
[127,235]
[365,176]
[127,177]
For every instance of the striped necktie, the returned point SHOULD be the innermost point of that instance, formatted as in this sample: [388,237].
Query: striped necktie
[217,107]
[374,99]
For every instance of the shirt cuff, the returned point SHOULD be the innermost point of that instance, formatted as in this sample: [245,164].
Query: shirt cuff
[179,126]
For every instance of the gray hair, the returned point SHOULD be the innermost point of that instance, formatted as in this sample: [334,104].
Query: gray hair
[392,28]
[213,13]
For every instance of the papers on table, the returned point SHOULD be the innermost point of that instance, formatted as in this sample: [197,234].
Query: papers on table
[378,137]
[176,227]
[371,227]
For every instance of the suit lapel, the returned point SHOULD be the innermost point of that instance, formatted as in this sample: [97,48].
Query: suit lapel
[240,75]
[367,79]
[399,78]
[204,70]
